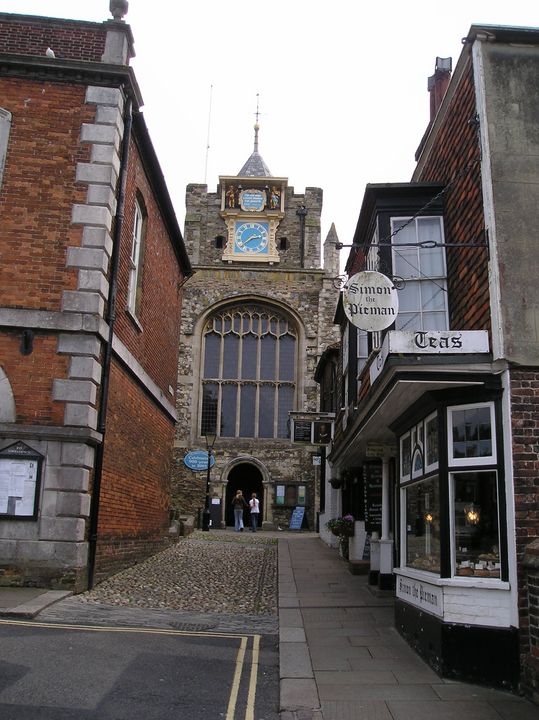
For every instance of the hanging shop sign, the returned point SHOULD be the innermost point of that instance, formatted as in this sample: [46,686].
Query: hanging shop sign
[371,301]
[197,460]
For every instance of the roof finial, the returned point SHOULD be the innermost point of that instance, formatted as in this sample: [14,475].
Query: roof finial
[257,126]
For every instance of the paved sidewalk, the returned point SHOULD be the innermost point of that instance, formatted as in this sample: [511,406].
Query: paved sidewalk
[341,657]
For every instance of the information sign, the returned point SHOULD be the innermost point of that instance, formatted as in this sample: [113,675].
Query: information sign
[302,431]
[296,520]
[20,474]
[197,460]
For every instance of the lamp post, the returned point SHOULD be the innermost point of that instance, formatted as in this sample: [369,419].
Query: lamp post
[210,441]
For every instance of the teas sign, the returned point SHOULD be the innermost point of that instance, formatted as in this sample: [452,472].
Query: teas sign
[370,300]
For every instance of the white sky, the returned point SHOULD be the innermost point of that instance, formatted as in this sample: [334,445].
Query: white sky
[342,85]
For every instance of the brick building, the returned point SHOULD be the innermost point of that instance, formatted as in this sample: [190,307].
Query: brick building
[90,254]
[256,316]
[436,453]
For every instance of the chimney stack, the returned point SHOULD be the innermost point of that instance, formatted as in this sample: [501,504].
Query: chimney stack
[437,84]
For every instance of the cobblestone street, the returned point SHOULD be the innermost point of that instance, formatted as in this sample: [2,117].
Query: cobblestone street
[216,572]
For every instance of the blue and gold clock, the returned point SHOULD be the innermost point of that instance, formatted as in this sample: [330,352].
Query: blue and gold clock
[251,238]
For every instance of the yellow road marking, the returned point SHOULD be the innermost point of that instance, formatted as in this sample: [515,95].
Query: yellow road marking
[240,658]
[250,710]
[126,629]
[236,682]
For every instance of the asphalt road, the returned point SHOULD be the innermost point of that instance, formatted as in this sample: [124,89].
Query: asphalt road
[53,671]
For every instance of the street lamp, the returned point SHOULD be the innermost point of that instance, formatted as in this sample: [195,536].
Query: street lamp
[210,441]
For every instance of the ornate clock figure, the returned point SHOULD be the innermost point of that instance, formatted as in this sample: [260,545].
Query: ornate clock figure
[251,238]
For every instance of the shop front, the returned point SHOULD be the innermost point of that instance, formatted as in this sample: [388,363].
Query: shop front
[438,420]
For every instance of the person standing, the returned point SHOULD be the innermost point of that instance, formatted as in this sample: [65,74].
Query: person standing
[239,504]
[255,511]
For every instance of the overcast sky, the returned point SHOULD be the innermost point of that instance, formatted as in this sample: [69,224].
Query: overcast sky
[342,85]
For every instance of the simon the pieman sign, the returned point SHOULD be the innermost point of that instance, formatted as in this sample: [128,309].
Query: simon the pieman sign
[370,301]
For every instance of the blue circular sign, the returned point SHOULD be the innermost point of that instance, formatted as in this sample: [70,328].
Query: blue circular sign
[198,460]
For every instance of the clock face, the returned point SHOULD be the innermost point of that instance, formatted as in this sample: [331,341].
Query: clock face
[251,238]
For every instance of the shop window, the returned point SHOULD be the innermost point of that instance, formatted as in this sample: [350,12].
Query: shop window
[470,429]
[423,525]
[475,524]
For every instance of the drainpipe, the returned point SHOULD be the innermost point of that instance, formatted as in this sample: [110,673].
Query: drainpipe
[107,358]
[301,212]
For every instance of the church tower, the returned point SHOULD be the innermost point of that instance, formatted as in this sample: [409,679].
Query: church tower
[257,314]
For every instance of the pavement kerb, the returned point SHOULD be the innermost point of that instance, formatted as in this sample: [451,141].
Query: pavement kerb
[298,696]
[33,606]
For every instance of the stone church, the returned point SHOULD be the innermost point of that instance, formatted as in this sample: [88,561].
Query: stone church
[257,315]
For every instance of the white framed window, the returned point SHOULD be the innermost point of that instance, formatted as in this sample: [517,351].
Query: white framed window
[471,438]
[423,299]
[135,273]
[362,350]
[5,127]
[474,518]
[421,506]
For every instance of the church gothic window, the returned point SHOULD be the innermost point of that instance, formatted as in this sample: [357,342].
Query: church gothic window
[249,373]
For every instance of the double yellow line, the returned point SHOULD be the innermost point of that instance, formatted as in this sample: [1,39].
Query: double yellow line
[239,665]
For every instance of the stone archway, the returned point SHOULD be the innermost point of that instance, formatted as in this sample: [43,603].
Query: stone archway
[247,477]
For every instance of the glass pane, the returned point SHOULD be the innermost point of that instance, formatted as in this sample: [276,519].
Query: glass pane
[287,356]
[247,411]
[211,356]
[434,321]
[408,321]
[405,259]
[266,411]
[431,259]
[268,346]
[229,395]
[248,357]
[431,438]
[423,526]
[433,295]
[286,404]
[230,356]
[472,433]
[209,409]
[477,550]
[409,297]
[406,456]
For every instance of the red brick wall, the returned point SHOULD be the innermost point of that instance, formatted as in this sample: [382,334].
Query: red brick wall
[455,158]
[69,40]
[135,491]
[35,230]
[156,347]
[31,377]
[525,428]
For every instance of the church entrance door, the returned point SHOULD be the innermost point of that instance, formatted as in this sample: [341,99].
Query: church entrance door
[247,478]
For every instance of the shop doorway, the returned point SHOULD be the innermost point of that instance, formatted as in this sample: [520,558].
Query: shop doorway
[247,478]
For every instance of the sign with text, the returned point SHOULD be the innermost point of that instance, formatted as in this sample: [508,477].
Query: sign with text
[429,342]
[296,521]
[197,460]
[370,301]
[372,488]
[20,475]
[313,432]
[420,594]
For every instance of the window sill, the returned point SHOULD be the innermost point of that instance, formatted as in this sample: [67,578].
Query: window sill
[136,322]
